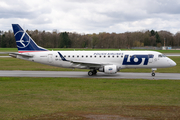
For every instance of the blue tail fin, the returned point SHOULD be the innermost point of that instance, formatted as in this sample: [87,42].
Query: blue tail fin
[24,42]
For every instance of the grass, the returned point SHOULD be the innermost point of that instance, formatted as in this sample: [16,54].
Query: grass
[67,98]
[8,50]
[78,98]
[4,54]
[18,64]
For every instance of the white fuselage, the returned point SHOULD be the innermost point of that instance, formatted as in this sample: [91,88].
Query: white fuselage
[98,59]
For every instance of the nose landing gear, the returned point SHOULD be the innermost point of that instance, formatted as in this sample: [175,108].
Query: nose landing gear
[153,71]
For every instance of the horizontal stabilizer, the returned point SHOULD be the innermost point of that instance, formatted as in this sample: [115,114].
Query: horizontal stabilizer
[20,54]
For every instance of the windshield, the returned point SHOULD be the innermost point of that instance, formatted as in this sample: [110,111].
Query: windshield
[161,55]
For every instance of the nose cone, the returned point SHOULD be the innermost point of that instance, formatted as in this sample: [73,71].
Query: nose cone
[172,63]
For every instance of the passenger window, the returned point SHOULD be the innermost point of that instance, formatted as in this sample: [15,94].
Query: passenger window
[82,56]
[86,56]
[94,56]
[78,56]
[73,56]
[100,56]
[104,56]
[91,56]
[69,56]
[64,56]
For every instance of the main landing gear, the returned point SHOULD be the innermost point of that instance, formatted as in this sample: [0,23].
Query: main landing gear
[153,71]
[92,72]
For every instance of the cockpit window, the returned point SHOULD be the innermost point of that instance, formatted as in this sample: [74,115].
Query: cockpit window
[161,55]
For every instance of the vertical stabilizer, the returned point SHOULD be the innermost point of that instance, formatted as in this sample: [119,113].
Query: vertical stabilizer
[24,42]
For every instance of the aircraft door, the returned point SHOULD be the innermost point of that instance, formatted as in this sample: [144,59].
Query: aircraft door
[50,58]
[150,58]
[121,58]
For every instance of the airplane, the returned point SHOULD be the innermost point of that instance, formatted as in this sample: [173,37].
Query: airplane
[109,62]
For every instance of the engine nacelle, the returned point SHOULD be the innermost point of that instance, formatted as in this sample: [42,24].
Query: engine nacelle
[109,69]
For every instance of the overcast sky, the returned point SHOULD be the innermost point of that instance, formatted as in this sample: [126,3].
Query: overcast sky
[91,16]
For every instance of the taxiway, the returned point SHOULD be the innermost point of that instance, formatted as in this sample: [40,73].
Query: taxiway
[75,74]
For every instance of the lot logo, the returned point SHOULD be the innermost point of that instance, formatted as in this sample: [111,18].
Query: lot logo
[110,69]
[136,59]
[23,39]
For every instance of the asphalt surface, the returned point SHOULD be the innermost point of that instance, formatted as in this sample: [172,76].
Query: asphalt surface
[172,54]
[75,74]
[5,56]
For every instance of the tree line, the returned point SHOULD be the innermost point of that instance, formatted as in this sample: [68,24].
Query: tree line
[56,39]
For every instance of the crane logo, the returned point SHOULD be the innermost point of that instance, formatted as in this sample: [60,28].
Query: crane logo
[23,39]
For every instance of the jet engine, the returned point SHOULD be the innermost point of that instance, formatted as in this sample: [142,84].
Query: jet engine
[109,69]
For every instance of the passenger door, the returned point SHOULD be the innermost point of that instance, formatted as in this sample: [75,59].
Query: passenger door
[50,58]
[150,58]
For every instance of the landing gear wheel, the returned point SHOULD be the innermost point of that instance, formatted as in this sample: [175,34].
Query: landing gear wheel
[90,73]
[153,71]
[94,72]
[153,74]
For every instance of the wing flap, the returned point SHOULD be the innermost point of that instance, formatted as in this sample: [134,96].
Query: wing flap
[89,63]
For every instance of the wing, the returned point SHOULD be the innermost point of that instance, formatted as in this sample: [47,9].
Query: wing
[85,63]
[90,64]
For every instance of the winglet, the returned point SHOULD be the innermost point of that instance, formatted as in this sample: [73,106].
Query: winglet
[64,59]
